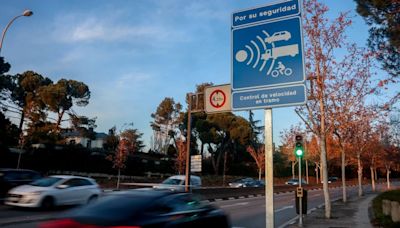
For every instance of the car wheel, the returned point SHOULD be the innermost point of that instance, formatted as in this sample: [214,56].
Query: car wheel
[92,199]
[47,203]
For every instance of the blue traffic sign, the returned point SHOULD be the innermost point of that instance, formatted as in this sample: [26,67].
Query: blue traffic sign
[269,98]
[267,54]
[268,12]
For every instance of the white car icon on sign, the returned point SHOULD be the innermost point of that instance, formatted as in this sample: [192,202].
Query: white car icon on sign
[278,36]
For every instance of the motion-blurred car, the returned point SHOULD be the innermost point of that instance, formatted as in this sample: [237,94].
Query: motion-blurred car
[143,209]
[177,183]
[331,179]
[246,182]
[10,178]
[54,191]
[295,181]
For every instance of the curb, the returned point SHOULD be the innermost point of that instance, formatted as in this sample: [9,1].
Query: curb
[19,220]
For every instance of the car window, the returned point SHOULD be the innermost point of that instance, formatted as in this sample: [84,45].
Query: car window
[172,181]
[25,175]
[160,208]
[10,176]
[45,182]
[74,182]
[185,202]
[194,181]
[85,182]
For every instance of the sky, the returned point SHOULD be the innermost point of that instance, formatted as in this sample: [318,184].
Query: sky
[133,54]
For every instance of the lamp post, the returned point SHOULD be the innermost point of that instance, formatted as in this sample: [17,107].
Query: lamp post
[26,13]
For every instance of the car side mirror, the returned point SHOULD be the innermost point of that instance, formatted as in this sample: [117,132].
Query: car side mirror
[62,186]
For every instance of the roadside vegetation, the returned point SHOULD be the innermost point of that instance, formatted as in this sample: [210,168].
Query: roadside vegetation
[380,219]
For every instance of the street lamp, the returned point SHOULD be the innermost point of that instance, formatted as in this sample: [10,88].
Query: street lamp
[26,13]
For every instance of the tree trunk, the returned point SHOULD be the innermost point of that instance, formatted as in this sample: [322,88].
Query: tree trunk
[325,169]
[317,172]
[223,177]
[293,172]
[21,121]
[372,178]
[359,170]
[343,173]
[60,116]
[119,175]
[215,161]
[307,172]
[259,173]
[388,178]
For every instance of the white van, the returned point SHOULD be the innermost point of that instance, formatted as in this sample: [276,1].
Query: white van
[177,183]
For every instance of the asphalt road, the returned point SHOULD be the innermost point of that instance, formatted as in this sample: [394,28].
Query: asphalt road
[245,212]
[250,212]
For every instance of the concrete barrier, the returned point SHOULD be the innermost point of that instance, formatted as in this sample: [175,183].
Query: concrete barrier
[386,207]
[395,211]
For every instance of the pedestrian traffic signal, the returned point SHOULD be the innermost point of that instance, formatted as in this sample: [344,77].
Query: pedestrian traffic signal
[299,150]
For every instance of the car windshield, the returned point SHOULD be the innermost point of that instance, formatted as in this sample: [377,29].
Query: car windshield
[45,182]
[172,181]
[115,206]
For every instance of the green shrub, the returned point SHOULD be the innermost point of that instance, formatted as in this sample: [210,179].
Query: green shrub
[381,219]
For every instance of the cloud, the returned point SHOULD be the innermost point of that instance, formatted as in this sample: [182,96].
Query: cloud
[104,29]
[132,79]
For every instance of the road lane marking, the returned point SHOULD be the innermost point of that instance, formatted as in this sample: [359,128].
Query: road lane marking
[234,205]
[283,208]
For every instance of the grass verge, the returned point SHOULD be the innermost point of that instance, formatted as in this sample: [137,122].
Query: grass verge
[380,219]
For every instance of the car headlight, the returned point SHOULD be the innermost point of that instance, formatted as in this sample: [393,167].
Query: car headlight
[35,193]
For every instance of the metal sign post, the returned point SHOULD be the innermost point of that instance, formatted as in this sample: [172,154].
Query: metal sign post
[187,179]
[267,70]
[269,175]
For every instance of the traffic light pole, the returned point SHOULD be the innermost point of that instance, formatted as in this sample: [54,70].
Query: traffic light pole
[300,197]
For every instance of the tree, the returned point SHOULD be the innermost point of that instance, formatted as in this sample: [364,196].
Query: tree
[383,17]
[350,86]
[25,95]
[228,130]
[288,144]
[362,135]
[322,38]
[259,157]
[256,131]
[5,81]
[180,162]
[165,123]
[83,125]
[8,134]
[112,139]
[60,97]
[129,142]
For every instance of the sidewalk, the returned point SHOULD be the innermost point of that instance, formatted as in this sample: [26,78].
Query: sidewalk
[353,213]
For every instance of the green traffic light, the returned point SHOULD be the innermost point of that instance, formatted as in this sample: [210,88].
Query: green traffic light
[299,152]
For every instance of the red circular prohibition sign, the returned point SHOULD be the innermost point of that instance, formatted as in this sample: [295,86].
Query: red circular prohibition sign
[217,104]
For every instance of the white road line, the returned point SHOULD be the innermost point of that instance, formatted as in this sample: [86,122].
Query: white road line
[293,220]
[283,208]
[234,205]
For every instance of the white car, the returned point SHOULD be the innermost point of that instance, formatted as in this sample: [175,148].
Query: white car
[177,183]
[54,191]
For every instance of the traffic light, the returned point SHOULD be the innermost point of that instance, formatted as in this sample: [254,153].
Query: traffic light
[299,150]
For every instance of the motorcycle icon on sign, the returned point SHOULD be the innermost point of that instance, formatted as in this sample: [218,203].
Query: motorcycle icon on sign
[281,70]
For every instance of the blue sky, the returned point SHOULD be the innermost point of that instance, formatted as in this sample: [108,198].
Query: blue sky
[132,54]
